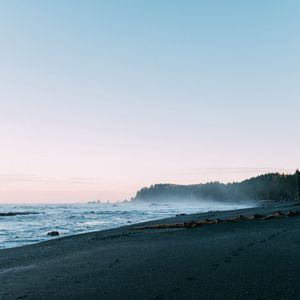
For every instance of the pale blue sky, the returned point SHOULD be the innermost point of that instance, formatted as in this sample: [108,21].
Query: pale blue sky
[99,98]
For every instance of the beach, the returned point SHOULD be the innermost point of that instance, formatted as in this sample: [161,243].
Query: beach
[245,259]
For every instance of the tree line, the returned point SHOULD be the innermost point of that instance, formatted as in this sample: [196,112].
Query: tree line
[270,186]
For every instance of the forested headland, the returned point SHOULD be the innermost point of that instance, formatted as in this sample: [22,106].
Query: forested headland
[271,186]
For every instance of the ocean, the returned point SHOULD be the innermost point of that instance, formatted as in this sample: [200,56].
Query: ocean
[26,224]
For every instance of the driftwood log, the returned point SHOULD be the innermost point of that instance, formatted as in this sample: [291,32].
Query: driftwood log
[194,224]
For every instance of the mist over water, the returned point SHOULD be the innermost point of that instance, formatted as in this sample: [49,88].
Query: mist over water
[27,224]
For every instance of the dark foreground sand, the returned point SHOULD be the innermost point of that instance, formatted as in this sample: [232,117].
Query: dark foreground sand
[243,260]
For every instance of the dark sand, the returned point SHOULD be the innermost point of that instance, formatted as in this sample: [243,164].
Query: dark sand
[243,260]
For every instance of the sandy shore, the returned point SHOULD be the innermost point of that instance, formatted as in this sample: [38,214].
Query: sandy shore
[233,260]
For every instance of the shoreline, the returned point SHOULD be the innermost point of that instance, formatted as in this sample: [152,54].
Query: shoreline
[40,221]
[247,259]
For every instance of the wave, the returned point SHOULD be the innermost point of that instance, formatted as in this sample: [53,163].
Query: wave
[22,225]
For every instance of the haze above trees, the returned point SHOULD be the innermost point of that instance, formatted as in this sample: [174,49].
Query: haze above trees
[271,186]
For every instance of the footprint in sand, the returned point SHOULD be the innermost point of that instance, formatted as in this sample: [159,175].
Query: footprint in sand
[22,297]
[115,262]
[227,260]
[191,278]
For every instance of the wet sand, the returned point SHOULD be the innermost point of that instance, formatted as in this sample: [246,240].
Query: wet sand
[249,259]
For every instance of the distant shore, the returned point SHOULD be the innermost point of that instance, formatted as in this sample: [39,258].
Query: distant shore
[244,259]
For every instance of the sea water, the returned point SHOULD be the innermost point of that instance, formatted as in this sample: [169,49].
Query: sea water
[29,224]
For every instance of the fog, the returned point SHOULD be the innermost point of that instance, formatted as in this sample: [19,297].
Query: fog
[188,205]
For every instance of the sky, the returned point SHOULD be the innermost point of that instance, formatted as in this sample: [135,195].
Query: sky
[101,98]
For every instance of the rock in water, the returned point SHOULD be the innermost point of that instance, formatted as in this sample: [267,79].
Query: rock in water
[53,233]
